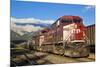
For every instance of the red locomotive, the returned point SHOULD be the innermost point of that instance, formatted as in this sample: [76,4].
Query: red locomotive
[66,37]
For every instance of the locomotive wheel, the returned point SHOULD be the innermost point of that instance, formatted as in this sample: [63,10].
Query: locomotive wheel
[68,52]
[58,50]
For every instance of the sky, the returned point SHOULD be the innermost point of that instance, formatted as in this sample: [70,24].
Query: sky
[47,13]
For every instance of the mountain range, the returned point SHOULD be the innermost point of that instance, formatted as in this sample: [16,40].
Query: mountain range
[24,31]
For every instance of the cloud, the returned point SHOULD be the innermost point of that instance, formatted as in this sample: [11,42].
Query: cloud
[30,28]
[21,29]
[31,20]
[87,8]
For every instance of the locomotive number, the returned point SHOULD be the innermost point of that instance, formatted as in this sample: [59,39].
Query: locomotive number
[75,31]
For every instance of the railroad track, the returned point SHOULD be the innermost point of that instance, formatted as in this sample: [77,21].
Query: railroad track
[38,58]
[63,59]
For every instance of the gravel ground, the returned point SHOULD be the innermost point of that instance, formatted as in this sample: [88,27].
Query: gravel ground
[38,58]
[57,59]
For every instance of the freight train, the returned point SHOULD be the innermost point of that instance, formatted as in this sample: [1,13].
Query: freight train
[90,32]
[66,36]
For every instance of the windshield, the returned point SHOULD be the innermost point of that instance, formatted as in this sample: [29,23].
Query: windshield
[66,21]
[77,20]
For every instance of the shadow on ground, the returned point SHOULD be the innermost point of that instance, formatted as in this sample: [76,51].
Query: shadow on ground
[26,59]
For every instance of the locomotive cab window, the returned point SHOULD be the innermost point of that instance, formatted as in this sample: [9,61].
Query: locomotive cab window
[77,20]
[66,20]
